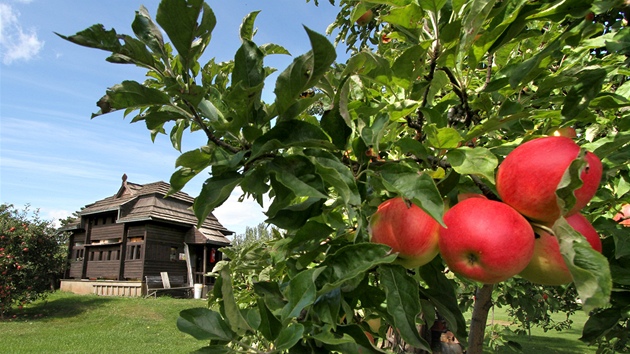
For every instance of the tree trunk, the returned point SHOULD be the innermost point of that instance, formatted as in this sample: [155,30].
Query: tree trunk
[483,303]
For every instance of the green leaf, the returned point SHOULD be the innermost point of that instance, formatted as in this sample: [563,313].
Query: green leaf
[214,192]
[204,324]
[473,21]
[131,95]
[96,37]
[565,192]
[590,81]
[589,268]
[179,19]
[339,176]
[300,293]
[599,324]
[478,161]
[271,48]
[233,315]
[297,173]
[442,293]
[248,66]
[271,294]
[409,16]
[289,336]
[403,303]
[292,133]
[270,326]
[442,138]
[148,32]
[353,260]
[335,126]
[415,186]
[327,307]
[432,5]
[305,71]
[247,27]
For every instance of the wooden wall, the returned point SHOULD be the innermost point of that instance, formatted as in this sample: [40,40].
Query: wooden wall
[164,243]
[107,231]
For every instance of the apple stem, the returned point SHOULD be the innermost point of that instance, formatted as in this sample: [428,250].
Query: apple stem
[482,306]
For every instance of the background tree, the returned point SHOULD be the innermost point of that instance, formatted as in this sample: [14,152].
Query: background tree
[259,233]
[32,257]
[445,90]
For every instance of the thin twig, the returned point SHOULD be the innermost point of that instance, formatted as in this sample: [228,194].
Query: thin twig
[209,133]
[488,71]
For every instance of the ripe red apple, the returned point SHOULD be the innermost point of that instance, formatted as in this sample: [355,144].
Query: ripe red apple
[486,240]
[528,177]
[407,229]
[365,18]
[547,266]
[622,217]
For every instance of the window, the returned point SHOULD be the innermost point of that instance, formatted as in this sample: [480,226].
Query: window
[173,255]
[91,255]
[133,252]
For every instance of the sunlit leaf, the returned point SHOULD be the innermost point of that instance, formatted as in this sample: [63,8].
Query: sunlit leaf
[589,268]
[477,161]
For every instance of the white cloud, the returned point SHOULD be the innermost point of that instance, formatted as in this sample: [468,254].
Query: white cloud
[236,216]
[16,43]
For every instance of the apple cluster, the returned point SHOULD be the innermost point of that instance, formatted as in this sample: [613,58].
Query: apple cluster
[490,241]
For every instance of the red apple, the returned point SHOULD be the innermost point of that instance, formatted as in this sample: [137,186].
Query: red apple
[622,217]
[407,229]
[486,240]
[547,266]
[528,177]
[365,18]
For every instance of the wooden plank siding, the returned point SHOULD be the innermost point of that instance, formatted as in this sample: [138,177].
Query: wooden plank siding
[133,269]
[164,243]
[107,231]
[102,270]
[75,269]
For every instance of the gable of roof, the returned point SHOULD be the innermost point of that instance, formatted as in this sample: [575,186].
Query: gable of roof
[140,202]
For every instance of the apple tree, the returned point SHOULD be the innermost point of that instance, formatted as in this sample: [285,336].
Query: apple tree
[32,257]
[433,97]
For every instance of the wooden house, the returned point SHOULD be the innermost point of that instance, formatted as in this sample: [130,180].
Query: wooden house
[139,232]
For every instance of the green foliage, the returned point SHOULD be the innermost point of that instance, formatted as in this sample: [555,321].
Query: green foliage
[426,110]
[32,257]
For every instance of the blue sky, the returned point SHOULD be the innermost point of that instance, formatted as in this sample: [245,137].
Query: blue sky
[52,155]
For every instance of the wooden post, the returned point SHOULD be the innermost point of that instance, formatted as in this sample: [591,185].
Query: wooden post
[205,262]
[86,256]
[188,265]
[123,252]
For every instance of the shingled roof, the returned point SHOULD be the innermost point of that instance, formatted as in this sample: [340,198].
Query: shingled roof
[140,202]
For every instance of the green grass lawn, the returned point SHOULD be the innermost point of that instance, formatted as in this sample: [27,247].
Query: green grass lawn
[96,324]
[550,342]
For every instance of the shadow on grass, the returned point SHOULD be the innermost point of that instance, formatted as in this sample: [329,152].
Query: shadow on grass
[58,307]
[549,344]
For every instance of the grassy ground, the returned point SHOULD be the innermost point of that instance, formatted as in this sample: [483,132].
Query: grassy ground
[550,342]
[93,324]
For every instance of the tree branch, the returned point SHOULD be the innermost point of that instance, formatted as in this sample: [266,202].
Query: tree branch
[483,303]
[209,133]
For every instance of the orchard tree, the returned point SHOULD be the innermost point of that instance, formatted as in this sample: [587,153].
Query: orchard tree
[32,257]
[259,233]
[433,98]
